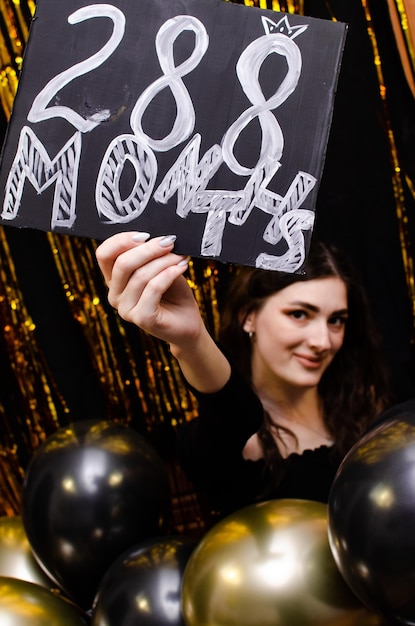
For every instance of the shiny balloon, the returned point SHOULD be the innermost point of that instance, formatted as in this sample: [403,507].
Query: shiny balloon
[372,516]
[23,603]
[16,558]
[269,564]
[91,491]
[143,586]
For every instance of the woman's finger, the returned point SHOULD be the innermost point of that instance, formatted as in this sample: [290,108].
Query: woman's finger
[134,270]
[150,311]
[108,251]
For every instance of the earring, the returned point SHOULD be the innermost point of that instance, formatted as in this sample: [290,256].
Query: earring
[250,334]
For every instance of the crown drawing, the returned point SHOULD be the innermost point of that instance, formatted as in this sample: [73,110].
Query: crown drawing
[283,26]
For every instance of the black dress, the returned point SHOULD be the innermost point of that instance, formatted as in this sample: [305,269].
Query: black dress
[210,451]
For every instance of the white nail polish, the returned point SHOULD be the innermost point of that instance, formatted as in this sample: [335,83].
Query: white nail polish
[140,236]
[183,262]
[167,241]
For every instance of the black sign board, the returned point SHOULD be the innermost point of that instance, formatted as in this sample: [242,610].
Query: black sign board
[203,118]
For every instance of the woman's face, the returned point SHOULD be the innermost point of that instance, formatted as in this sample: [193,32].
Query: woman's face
[298,331]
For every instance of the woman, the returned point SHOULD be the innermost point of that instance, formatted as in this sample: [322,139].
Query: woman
[295,381]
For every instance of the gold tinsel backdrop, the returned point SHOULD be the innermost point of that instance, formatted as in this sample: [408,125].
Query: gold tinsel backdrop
[51,288]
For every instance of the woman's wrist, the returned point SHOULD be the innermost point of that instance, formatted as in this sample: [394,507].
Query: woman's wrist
[203,364]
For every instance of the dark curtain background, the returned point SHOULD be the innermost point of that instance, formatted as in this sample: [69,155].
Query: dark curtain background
[358,208]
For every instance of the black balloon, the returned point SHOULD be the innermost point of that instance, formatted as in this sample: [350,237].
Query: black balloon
[91,491]
[143,586]
[371,519]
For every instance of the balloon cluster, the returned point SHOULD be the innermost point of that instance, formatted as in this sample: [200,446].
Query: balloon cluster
[90,548]
[91,492]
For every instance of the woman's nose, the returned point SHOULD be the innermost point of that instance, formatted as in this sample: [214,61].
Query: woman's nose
[319,337]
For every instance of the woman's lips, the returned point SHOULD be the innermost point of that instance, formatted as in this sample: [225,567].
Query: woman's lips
[311,362]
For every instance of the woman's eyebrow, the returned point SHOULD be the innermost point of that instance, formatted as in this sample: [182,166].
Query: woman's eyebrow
[315,309]
[305,305]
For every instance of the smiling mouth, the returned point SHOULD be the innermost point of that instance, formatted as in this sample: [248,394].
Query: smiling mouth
[311,362]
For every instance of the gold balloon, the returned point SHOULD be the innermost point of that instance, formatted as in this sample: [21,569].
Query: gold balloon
[16,558]
[27,604]
[269,564]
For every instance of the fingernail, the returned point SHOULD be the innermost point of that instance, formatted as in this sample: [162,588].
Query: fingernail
[167,241]
[140,236]
[183,262]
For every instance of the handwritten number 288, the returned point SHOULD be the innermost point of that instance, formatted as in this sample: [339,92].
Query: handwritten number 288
[185,115]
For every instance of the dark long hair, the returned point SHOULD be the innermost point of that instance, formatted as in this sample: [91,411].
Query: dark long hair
[354,388]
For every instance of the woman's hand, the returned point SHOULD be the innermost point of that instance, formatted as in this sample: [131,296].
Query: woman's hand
[147,287]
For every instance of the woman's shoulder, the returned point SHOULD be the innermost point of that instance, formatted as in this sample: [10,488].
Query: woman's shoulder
[235,401]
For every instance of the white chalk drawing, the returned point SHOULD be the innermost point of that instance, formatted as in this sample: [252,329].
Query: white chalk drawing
[292,225]
[110,204]
[39,111]
[33,163]
[247,70]
[189,176]
[293,199]
[185,119]
[189,180]
[283,26]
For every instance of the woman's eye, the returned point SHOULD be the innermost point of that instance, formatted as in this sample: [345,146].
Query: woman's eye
[339,320]
[298,314]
